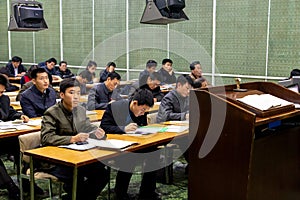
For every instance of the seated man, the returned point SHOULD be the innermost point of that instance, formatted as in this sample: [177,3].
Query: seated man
[196,74]
[63,71]
[150,68]
[66,123]
[104,93]
[109,68]
[175,104]
[151,83]
[49,66]
[15,67]
[39,97]
[125,116]
[167,72]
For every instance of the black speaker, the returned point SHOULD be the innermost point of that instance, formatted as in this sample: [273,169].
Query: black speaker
[27,16]
[163,12]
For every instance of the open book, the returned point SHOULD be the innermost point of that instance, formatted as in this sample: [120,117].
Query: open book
[264,101]
[109,144]
[145,130]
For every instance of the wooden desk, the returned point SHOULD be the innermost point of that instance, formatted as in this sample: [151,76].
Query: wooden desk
[16,105]
[16,79]
[97,116]
[77,159]
[233,158]
[16,133]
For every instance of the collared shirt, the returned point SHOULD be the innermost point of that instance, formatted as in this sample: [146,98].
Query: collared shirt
[34,103]
[12,70]
[166,77]
[100,96]
[59,124]
[173,107]
[118,115]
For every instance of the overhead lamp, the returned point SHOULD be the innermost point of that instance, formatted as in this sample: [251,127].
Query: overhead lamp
[163,12]
[27,16]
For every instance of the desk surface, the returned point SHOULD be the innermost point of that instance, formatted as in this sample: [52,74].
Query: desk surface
[79,158]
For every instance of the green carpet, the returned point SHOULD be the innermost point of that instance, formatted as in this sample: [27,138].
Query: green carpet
[175,191]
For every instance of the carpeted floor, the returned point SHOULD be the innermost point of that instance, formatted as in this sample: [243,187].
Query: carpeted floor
[175,191]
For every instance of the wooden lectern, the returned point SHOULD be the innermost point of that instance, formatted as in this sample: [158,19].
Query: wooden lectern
[231,157]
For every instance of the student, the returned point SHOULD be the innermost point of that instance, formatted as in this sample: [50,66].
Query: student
[7,113]
[7,183]
[63,71]
[49,66]
[196,74]
[39,97]
[150,67]
[66,123]
[125,116]
[152,83]
[175,104]
[15,67]
[110,67]
[104,93]
[27,77]
[167,72]
[91,68]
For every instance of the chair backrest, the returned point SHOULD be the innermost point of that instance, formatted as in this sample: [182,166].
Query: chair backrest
[151,118]
[29,141]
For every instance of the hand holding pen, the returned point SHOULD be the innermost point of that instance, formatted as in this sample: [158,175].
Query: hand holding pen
[131,127]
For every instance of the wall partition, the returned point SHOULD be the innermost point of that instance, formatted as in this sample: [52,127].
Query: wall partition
[254,40]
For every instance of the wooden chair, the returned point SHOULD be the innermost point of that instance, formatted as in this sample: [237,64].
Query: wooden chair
[27,142]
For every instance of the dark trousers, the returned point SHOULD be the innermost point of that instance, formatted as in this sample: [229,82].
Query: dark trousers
[126,165]
[5,179]
[11,146]
[91,180]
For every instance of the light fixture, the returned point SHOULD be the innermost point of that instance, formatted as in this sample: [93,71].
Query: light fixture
[163,12]
[27,16]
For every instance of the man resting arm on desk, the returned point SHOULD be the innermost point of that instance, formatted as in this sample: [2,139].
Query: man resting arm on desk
[125,116]
[66,123]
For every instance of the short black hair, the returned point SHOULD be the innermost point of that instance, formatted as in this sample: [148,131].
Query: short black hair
[155,76]
[183,79]
[4,70]
[164,61]
[113,75]
[67,83]
[50,60]
[16,59]
[86,74]
[90,64]
[192,65]
[143,97]
[3,81]
[61,62]
[37,71]
[111,64]
[151,63]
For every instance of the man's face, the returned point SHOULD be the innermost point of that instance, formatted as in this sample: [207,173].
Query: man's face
[71,97]
[63,67]
[167,66]
[50,65]
[151,69]
[153,83]
[197,71]
[15,64]
[41,81]
[184,90]
[111,84]
[139,110]
[111,69]
[92,69]
[2,89]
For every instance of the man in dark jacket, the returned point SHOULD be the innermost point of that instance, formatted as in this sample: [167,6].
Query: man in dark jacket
[125,116]
[167,72]
[15,67]
[39,97]
[104,93]
[109,68]
[175,104]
